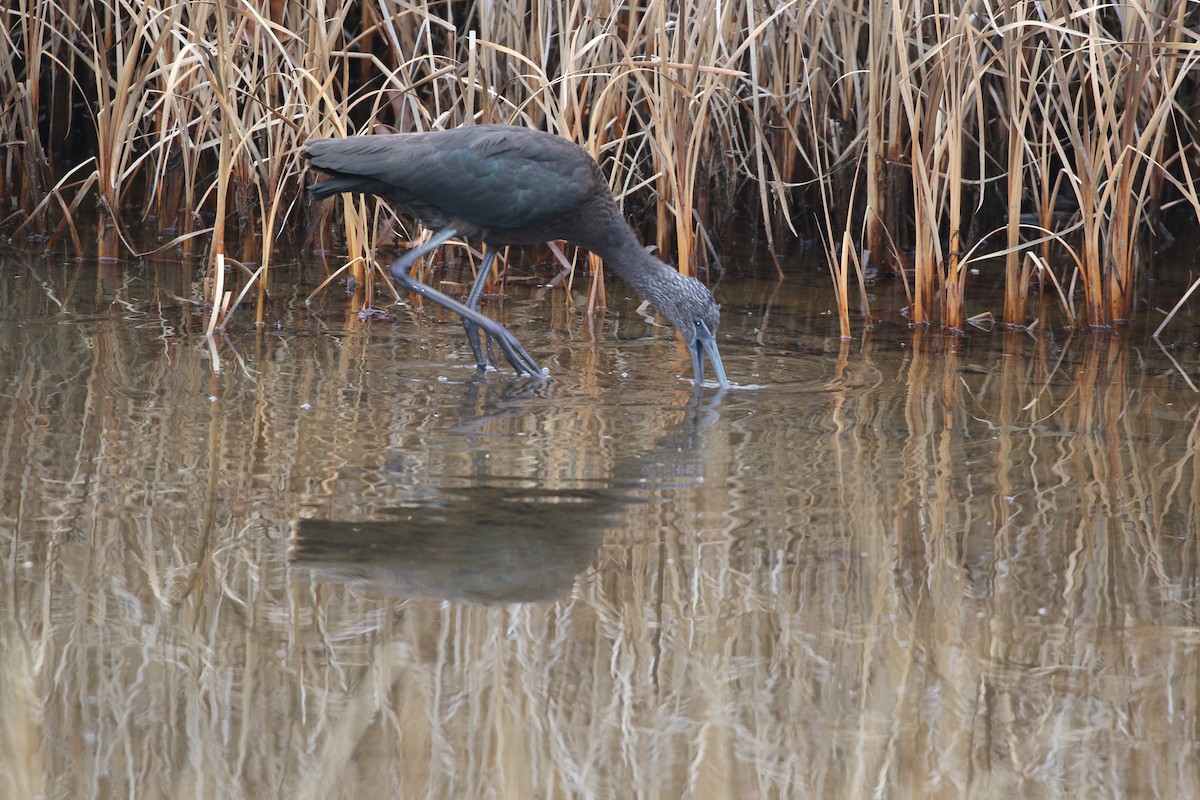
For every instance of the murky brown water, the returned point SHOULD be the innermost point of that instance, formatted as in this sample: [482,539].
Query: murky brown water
[344,566]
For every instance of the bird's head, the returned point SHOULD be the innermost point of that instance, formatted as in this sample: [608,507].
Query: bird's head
[690,307]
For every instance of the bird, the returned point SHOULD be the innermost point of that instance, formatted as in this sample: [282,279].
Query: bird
[509,185]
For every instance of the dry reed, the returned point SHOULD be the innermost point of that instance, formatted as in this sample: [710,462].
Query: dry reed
[895,124]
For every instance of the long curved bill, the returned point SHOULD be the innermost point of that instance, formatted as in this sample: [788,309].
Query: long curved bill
[706,344]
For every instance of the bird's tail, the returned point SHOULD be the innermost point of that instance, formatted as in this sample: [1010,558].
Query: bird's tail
[328,155]
[328,188]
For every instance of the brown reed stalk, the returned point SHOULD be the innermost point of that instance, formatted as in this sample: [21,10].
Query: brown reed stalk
[925,219]
[884,140]
[1019,61]
[22,95]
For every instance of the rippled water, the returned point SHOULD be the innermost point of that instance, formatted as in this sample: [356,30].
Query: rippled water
[330,560]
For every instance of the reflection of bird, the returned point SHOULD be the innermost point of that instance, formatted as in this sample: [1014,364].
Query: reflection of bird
[487,544]
[506,186]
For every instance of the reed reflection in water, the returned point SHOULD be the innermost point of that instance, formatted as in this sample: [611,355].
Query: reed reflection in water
[911,567]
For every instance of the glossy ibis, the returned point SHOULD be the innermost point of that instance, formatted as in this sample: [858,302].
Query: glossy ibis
[511,186]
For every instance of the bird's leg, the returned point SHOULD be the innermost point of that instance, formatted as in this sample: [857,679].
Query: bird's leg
[403,265]
[509,345]
[481,279]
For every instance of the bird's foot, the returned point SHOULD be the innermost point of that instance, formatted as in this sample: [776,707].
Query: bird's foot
[521,361]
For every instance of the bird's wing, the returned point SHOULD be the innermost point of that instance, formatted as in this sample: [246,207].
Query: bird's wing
[494,177]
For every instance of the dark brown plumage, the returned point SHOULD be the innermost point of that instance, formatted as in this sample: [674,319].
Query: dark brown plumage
[511,186]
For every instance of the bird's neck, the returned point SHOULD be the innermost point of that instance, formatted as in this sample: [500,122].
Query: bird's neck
[624,255]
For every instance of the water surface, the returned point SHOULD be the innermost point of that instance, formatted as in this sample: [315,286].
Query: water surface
[330,560]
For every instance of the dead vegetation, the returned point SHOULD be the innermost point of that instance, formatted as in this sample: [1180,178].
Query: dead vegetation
[911,138]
